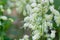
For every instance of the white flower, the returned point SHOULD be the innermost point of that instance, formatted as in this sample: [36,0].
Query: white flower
[33,15]
[31,26]
[3,17]
[44,26]
[57,20]
[39,19]
[26,37]
[51,1]
[29,9]
[36,36]
[49,24]
[53,34]
[26,25]
[49,17]
[52,8]
[21,39]
[33,5]
[36,32]
[35,9]
[9,11]
[53,31]
[39,5]
[32,18]
[56,13]
[27,19]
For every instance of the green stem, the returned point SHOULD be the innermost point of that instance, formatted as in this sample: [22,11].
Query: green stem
[59,35]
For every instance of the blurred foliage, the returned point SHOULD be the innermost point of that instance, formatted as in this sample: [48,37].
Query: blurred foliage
[3,2]
[4,24]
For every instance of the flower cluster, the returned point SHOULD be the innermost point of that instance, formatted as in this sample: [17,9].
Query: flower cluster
[38,19]
[56,15]
[26,37]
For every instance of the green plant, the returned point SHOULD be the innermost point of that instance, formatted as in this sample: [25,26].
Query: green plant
[5,21]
